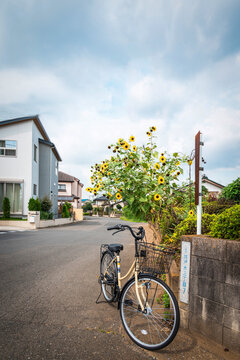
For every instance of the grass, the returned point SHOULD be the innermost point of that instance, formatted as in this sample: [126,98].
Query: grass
[12,219]
[132,219]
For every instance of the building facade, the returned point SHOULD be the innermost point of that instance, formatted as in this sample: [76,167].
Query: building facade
[28,164]
[70,190]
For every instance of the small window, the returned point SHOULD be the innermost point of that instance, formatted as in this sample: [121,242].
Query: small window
[62,187]
[34,189]
[35,153]
[8,148]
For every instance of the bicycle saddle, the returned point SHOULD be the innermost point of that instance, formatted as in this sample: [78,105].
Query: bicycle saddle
[115,247]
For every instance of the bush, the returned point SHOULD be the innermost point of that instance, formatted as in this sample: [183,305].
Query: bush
[46,204]
[34,204]
[65,211]
[227,224]
[6,208]
[232,191]
[44,215]
[217,206]
[88,206]
[189,226]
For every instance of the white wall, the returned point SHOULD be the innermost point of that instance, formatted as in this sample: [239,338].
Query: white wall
[35,165]
[19,167]
[211,187]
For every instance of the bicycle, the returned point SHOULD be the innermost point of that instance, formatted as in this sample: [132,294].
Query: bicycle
[148,308]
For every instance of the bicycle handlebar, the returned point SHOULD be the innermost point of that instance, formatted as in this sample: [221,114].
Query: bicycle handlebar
[139,236]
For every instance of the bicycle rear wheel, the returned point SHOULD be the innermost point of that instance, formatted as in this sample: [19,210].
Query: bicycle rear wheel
[108,276]
[156,326]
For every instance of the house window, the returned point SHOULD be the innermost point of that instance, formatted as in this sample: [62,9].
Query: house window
[62,187]
[34,189]
[56,168]
[35,153]
[8,148]
[14,192]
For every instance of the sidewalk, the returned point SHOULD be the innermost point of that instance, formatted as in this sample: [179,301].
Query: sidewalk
[191,346]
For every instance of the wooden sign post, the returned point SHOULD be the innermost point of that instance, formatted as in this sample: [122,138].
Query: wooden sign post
[198,180]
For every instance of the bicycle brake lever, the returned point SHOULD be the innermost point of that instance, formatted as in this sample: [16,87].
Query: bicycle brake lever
[117,231]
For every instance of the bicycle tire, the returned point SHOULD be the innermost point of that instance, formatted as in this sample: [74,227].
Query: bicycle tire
[158,326]
[108,284]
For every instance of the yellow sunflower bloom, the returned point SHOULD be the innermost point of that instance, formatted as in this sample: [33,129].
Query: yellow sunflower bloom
[88,189]
[178,163]
[132,138]
[178,173]
[126,146]
[157,197]
[162,159]
[154,128]
[108,174]
[157,166]
[161,180]
[134,148]
[191,213]
[118,196]
[189,162]
[120,141]
[148,133]
[109,194]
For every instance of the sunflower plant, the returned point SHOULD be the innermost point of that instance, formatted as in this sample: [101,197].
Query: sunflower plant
[141,176]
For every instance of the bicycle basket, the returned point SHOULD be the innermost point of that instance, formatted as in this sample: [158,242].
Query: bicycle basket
[153,259]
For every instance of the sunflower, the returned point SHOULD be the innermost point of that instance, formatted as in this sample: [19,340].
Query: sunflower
[178,173]
[178,163]
[191,213]
[162,159]
[120,190]
[102,168]
[189,162]
[118,196]
[157,166]
[157,197]
[148,133]
[134,148]
[161,180]
[120,141]
[109,194]
[109,147]
[88,189]
[126,146]
[132,138]
[108,174]
[154,128]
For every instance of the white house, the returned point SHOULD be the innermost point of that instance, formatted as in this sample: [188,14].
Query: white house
[28,164]
[213,187]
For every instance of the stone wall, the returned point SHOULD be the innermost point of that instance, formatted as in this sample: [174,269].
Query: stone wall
[214,290]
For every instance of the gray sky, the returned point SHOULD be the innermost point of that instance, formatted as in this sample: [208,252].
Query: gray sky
[98,70]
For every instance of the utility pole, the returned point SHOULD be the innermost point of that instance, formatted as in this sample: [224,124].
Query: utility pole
[198,179]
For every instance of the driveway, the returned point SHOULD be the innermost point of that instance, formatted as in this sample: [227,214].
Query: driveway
[48,289]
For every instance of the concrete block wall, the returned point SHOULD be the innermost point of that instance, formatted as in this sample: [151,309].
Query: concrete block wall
[214,296]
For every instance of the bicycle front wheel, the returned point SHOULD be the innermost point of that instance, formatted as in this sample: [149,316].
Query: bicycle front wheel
[157,325]
[108,271]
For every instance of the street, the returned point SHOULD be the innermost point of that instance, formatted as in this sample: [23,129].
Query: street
[48,292]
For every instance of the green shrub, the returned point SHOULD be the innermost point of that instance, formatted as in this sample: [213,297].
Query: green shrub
[65,211]
[217,206]
[232,191]
[189,226]
[227,224]
[34,204]
[6,208]
[44,215]
[88,206]
[46,204]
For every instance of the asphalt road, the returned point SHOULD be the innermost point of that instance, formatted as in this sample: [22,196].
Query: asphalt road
[48,289]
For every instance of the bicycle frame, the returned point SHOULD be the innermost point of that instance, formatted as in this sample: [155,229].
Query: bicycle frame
[133,270]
